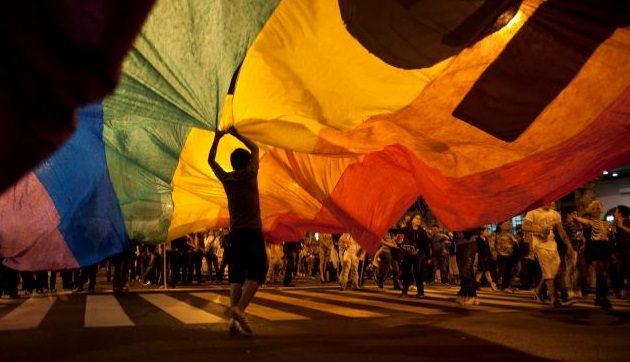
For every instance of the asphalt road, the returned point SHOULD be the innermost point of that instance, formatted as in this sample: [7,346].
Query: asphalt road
[311,322]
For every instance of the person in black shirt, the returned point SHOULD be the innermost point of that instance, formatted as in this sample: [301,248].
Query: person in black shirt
[415,248]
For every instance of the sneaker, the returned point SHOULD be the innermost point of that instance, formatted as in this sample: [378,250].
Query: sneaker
[234,327]
[241,318]
[605,304]
[471,301]
[538,297]
[563,303]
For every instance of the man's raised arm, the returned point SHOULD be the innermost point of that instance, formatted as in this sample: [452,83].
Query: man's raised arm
[212,155]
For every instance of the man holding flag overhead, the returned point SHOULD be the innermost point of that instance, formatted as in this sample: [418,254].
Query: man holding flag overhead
[248,257]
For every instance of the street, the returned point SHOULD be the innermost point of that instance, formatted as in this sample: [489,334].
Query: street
[311,322]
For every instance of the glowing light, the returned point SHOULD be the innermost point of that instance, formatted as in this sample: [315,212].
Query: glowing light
[615,174]
[605,172]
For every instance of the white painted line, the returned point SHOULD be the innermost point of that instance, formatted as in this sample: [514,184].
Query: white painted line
[447,301]
[185,313]
[254,309]
[401,307]
[28,315]
[105,311]
[322,307]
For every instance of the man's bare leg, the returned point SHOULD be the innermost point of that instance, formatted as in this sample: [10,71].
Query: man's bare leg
[249,289]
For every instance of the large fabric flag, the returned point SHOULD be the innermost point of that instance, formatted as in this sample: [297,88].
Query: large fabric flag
[175,77]
[484,108]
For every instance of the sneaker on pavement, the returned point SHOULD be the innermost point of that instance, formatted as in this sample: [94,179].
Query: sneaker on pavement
[538,297]
[605,304]
[563,303]
[234,327]
[241,318]
[471,301]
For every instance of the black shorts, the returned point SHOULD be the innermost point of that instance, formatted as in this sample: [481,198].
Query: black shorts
[248,256]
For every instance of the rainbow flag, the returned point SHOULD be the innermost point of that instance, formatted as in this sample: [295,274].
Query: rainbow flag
[486,109]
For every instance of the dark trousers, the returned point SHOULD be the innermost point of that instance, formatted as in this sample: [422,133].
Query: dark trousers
[122,263]
[507,267]
[41,281]
[224,263]
[213,266]
[440,262]
[194,266]
[602,268]
[411,269]
[388,263]
[465,258]
[151,273]
[53,281]
[174,260]
[69,279]
[88,275]
[9,280]
[290,267]
[28,281]
[616,272]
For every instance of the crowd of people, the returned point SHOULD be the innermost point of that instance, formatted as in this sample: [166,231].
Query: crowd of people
[559,257]
[564,257]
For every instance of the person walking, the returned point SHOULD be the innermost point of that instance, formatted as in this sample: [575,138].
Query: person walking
[248,257]
[541,223]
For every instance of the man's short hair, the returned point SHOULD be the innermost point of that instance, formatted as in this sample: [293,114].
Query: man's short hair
[239,158]
[624,210]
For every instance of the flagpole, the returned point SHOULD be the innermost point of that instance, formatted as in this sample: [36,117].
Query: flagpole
[164,267]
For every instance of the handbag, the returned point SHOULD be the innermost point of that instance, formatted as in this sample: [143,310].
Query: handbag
[409,250]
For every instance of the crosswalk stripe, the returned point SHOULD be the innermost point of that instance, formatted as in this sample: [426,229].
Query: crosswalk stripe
[323,307]
[185,313]
[105,311]
[447,301]
[28,315]
[254,309]
[523,299]
[417,309]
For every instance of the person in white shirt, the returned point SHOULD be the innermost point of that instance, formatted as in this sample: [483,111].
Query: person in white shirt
[541,223]
[349,248]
